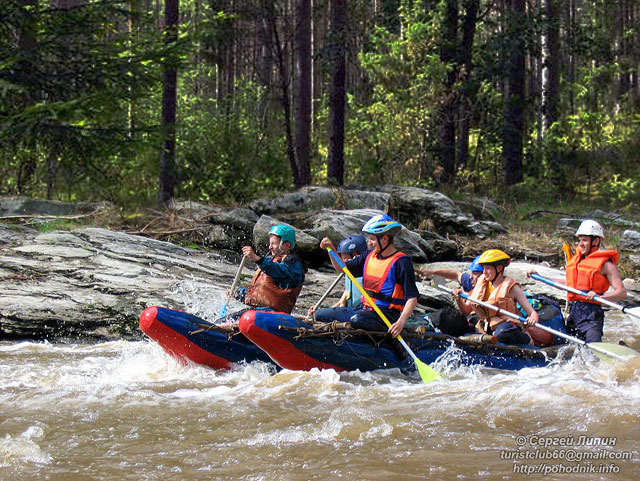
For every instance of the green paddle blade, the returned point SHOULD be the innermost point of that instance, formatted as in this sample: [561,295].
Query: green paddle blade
[426,373]
[615,349]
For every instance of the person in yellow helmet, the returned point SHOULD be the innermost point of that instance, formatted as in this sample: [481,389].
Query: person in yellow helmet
[504,292]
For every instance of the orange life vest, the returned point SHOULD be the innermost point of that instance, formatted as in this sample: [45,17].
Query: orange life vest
[264,292]
[498,296]
[380,282]
[584,273]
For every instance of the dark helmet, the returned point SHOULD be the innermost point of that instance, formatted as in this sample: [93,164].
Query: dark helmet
[354,243]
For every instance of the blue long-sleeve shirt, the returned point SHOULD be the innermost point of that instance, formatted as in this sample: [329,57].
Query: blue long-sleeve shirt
[286,274]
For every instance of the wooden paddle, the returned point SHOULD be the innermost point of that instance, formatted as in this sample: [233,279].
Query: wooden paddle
[631,311]
[427,374]
[223,308]
[621,353]
[324,296]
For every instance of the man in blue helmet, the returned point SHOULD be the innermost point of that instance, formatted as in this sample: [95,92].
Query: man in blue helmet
[388,278]
[455,322]
[348,248]
[466,279]
[280,275]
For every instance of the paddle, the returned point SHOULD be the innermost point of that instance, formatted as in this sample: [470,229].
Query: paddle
[622,354]
[223,308]
[324,296]
[427,374]
[631,311]
[566,248]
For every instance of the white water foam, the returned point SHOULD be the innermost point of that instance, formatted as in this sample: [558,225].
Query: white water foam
[23,448]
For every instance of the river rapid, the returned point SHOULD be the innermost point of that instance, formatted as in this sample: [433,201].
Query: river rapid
[128,411]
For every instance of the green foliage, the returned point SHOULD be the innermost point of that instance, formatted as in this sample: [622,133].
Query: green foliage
[59,224]
[73,78]
[620,191]
[225,153]
[391,138]
[81,88]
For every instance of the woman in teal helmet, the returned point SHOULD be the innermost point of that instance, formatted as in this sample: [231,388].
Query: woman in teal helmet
[388,278]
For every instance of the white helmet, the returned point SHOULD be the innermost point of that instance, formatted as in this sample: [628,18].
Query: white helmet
[590,227]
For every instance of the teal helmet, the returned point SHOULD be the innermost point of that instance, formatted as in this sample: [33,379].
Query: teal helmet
[475,265]
[285,232]
[382,224]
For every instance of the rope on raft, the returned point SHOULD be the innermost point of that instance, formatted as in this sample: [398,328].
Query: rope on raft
[343,330]
[230,331]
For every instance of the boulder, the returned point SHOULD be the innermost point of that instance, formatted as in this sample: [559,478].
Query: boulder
[92,284]
[481,208]
[227,228]
[409,205]
[608,220]
[318,197]
[338,224]
[417,207]
[305,243]
[630,240]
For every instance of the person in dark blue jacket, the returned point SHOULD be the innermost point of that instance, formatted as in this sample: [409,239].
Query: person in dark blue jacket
[348,248]
[467,279]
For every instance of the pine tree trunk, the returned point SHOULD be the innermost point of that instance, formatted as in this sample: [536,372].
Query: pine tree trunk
[448,54]
[169,100]
[337,93]
[466,50]
[513,126]
[303,91]
[552,56]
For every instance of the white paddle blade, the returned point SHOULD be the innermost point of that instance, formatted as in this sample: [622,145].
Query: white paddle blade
[634,313]
[615,351]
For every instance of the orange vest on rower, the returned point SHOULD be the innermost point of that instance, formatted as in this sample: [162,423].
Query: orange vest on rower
[498,296]
[584,273]
[380,282]
[264,292]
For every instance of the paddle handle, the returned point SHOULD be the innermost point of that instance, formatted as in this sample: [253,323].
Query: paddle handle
[223,308]
[369,300]
[324,296]
[538,325]
[237,277]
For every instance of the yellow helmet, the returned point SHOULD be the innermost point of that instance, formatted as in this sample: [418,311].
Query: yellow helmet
[494,256]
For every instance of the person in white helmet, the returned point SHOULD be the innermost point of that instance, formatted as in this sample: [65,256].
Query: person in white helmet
[591,269]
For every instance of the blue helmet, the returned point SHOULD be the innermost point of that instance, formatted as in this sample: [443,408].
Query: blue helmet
[382,224]
[351,244]
[475,265]
[286,233]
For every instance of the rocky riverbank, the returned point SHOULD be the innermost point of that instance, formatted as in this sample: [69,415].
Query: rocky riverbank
[92,283]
